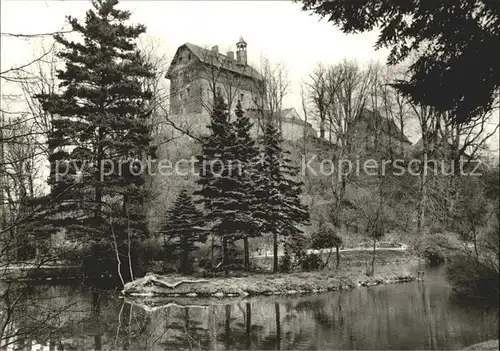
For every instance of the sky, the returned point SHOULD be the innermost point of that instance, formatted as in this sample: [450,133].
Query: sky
[278,30]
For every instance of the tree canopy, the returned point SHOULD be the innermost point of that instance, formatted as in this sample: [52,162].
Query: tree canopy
[453,46]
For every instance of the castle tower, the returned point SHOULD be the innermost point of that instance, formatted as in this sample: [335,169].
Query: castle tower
[241,52]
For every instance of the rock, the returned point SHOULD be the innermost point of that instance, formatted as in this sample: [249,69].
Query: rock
[219,294]
[292,292]
[192,295]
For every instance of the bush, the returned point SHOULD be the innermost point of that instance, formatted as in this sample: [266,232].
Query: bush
[473,277]
[286,263]
[310,262]
[234,259]
[478,275]
[436,248]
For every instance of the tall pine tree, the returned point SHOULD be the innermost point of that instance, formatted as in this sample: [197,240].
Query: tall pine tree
[101,121]
[183,230]
[246,157]
[219,187]
[279,188]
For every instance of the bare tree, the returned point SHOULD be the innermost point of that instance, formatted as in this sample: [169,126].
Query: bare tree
[271,93]
[318,95]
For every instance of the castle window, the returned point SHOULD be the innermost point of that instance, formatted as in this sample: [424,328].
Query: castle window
[188,92]
[189,56]
[242,96]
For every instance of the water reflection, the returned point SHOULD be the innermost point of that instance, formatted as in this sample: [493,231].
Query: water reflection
[413,316]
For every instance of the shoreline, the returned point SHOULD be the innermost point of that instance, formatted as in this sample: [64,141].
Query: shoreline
[488,345]
[153,285]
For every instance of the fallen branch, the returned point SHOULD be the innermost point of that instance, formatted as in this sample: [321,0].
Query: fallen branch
[152,278]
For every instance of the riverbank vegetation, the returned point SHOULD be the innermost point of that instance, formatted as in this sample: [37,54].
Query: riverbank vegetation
[97,110]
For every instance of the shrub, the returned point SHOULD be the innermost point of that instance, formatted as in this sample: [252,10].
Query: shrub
[436,248]
[478,275]
[286,262]
[473,277]
[310,262]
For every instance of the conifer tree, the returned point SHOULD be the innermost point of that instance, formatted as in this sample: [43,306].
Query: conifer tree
[99,128]
[279,189]
[217,181]
[183,229]
[246,155]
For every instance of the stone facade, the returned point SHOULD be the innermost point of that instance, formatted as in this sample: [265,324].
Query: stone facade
[390,136]
[196,74]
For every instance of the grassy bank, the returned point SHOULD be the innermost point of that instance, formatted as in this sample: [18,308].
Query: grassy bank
[484,346]
[362,258]
[274,284]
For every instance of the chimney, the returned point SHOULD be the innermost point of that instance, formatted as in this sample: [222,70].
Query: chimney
[241,57]
[230,55]
[215,49]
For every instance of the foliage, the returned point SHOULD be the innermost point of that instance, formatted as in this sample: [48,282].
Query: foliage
[325,237]
[436,248]
[286,262]
[278,191]
[476,273]
[99,132]
[182,231]
[218,185]
[245,157]
[454,71]
[473,277]
[310,262]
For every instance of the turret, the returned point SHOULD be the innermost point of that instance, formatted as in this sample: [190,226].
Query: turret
[241,52]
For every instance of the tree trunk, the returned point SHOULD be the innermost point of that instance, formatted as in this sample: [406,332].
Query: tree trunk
[278,326]
[184,261]
[337,252]
[322,126]
[373,257]
[212,254]
[96,311]
[227,326]
[474,237]
[247,254]
[327,258]
[275,253]
[423,196]
[225,259]
[248,325]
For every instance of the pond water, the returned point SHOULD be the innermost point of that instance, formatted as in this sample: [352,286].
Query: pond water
[417,315]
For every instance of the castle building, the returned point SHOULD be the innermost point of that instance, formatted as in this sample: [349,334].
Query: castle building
[390,135]
[196,74]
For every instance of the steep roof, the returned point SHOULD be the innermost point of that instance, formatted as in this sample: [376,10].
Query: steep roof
[440,144]
[283,116]
[218,60]
[386,125]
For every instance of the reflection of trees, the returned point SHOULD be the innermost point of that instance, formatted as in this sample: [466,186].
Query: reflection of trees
[397,316]
[245,335]
[185,329]
[273,340]
[33,318]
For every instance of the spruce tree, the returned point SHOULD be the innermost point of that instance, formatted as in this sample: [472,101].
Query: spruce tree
[246,155]
[183,230]
[278,189]
[99,129]
[216,177]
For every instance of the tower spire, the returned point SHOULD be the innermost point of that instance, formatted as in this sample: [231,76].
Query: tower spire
[241,52]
